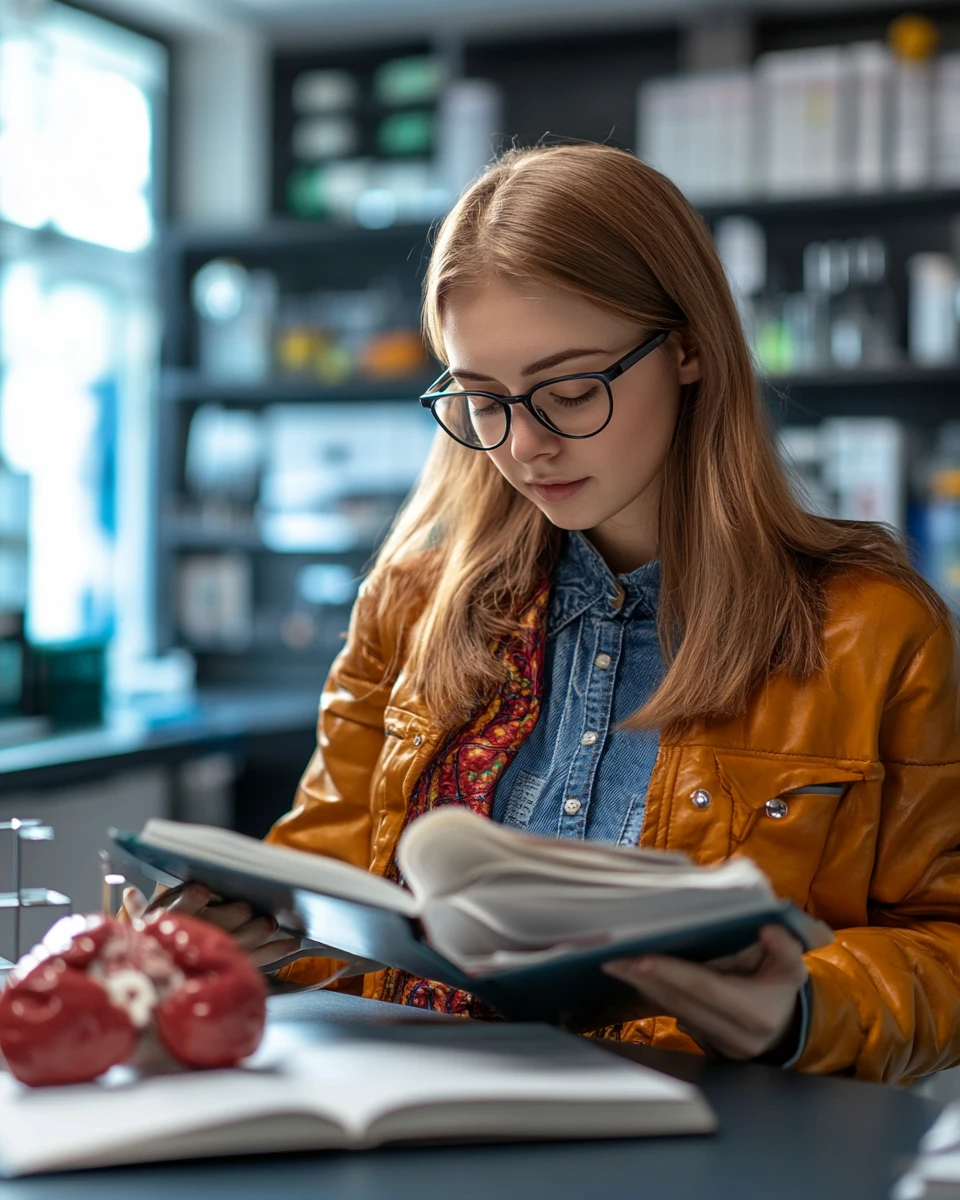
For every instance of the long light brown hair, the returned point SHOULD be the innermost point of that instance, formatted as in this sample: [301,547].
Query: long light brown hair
[743,565]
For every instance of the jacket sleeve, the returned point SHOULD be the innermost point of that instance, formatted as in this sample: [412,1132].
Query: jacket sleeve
[886,998]
[331,812]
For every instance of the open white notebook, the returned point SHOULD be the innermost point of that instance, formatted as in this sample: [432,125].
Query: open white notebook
[935,1175]
[448,1082]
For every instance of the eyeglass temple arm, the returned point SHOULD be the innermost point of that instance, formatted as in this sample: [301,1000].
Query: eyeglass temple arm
[640,352]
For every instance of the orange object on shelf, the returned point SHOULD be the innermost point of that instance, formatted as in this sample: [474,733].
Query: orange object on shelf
[913,37]
[394,355]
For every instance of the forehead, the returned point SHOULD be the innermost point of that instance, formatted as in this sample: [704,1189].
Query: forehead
[513,322]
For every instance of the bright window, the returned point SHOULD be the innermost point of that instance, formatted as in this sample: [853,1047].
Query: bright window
[79,105]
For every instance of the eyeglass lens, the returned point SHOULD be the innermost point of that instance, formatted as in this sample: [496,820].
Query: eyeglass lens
[576,407]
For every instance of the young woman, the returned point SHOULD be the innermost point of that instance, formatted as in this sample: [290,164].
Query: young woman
[602,614]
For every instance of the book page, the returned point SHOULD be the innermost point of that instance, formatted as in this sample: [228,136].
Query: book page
[280,864]
[447,848]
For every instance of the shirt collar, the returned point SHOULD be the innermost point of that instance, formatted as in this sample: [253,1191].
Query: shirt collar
[582,580]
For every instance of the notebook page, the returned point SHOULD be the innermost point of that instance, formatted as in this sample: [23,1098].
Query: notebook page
[360,1084]
[116,1119]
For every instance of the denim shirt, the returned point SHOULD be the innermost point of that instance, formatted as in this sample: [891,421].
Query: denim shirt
[577,775]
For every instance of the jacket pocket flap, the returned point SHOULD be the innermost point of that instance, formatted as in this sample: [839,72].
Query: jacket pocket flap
[754,778]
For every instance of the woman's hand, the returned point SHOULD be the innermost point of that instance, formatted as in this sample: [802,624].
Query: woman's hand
[257,935]
[739,1007]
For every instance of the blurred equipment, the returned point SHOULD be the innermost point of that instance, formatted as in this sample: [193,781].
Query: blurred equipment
[943,516]
[377,138]
[26,829]
[215,600]
[854,468]
[933,308]
[236,308]
[821,120]
[14,530]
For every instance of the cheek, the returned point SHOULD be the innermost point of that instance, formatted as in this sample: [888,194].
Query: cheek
[642,427]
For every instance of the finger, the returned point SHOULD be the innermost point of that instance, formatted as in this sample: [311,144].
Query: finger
[254,933]
[228,916]
[188,901]
[270,952]
[163,896]
[134,903]
[782,947]
[744,962]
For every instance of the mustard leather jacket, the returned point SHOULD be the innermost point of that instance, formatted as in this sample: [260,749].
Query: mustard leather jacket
[878,861]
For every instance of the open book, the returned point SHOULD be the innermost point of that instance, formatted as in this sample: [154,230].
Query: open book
[525,923]
[364,1087]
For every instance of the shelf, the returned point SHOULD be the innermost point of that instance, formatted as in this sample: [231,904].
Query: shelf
[286,234]
[897,375]
[928,202]
[921,396]
[191,387]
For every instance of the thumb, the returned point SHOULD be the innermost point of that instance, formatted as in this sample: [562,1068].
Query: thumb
[784,953]
[134,903]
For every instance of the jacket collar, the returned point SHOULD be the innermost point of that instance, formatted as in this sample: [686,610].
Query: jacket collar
[582,580]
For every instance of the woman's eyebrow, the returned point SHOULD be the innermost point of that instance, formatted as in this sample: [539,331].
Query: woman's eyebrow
[542,364]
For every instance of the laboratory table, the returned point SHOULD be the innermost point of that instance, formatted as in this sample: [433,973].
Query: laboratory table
[782,1137]
[158,731]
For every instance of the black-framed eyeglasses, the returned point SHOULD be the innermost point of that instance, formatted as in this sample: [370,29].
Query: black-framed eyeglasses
[573,406]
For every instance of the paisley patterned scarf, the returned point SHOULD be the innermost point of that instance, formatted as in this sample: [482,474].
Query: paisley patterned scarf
[465,771]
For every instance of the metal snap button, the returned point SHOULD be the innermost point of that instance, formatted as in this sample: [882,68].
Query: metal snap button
[776,808]
[589,738]
[418,740]
[571,806]
[602,661]
[701,798]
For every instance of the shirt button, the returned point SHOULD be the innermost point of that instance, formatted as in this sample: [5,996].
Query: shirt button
[589,738]
[701,798]
[418,740]
[602,661]
[776,808]
[571,806]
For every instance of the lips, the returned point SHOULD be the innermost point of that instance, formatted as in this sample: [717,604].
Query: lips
[554,493]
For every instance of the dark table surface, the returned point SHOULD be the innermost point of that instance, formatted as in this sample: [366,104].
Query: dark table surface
[782,1137]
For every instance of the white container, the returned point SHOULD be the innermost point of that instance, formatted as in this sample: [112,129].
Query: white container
[932,323]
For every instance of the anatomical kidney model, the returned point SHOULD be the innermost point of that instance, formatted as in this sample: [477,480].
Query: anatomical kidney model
[82,1001]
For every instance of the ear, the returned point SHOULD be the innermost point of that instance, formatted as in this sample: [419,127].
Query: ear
[689,362]
[685,355]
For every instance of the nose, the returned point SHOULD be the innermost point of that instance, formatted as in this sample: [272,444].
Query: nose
[528,438]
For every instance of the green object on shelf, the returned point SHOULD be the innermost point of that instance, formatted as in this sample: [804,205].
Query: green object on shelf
[774,348]
[307,192]
[68,682]
[406,133]
[410,80]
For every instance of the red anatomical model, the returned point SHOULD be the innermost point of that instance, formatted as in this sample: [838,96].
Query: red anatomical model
[79,1003]
[216,1015]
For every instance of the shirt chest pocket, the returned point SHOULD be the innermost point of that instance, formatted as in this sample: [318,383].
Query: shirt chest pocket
[774,809]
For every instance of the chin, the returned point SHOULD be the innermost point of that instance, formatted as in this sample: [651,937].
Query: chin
[576,518]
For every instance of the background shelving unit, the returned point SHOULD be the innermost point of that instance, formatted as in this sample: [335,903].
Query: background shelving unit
[292,642]
[575,85]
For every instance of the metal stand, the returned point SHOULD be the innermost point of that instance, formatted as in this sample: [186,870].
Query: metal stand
[27,830]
